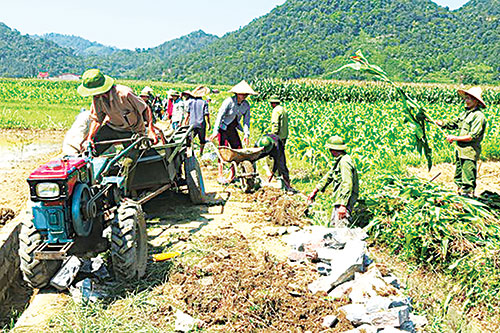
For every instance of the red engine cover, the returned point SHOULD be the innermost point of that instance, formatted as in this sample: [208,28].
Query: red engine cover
[58,168]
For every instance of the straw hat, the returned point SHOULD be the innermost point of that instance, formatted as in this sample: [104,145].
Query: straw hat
[172,93]
[94,83]
[187,92]
[336,143]
[475,92]
[200,91]
[146,91]
[243,88]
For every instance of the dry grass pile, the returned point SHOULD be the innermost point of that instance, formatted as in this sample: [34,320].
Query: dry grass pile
[282,209]
[233,289]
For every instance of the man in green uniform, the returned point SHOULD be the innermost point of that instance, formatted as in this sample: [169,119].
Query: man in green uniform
[279,119]
[472,126]
[275,151]
[344,176]
[279,127]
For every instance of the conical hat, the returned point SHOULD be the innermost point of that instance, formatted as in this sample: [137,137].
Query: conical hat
[243,88]
[146,91]
[475,92]
[200,91]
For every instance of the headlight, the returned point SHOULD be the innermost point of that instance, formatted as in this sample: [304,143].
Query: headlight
[47,190]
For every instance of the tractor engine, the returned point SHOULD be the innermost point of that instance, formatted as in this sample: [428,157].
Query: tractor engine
[61,198]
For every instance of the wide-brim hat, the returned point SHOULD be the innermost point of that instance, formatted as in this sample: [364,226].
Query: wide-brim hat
[243,88]
[266,142]
[172,93]
[336,143]
[200,91]
[274,99]
[475,92]
[146,91]
[94,83]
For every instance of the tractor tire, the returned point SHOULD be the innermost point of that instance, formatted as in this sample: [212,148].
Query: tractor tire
[247,183]
[129,243]
[194,180]
[37,273]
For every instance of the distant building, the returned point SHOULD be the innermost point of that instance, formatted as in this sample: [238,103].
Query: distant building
[67,77]
[43,75]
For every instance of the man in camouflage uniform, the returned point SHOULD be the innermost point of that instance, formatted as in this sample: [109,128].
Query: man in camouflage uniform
[472,127]
[344,176]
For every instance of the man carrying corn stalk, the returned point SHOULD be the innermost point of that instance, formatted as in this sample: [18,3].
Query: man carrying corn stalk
[472,126]
[344,176]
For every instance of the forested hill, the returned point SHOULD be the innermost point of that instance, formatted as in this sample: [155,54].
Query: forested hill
[80,45]
[413,40]
[21,55]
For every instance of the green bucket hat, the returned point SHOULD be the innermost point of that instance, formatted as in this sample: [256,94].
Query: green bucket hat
[266,142]
[94,83]
[274,99]
[336,143]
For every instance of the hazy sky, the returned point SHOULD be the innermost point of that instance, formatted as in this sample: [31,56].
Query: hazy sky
[131,24]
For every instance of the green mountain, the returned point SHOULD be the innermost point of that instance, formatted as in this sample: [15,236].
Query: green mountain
[80,45]
[23,56]
[411,39]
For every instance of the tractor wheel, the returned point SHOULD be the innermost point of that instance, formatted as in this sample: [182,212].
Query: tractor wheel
[36,272]
[247,183]
[194,180]
[129,243]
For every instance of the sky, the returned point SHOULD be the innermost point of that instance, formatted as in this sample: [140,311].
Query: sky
[138,24]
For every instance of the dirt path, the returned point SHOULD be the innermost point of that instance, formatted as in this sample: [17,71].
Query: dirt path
[488,175]
[174,223]
[13,187]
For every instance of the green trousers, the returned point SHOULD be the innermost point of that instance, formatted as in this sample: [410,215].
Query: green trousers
[465,175]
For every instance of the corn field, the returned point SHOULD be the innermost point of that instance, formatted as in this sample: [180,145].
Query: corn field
[372,92]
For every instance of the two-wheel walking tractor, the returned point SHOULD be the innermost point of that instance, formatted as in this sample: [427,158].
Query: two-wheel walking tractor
[83,205]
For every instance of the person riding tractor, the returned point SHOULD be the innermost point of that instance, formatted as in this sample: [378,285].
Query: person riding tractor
[116,112]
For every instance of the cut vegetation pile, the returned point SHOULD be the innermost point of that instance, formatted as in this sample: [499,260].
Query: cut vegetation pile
[234,289]
[280,208]
[438,229]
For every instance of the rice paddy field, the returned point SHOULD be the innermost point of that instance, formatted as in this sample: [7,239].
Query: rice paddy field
[418,221]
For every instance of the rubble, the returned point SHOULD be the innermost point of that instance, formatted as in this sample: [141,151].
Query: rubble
[347,273]
[330,321]
[66,274]
[184,322]
[88,291]
[96,267]
[6,214]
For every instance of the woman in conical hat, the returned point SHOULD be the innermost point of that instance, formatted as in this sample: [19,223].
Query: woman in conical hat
[228,119]
[472,127]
